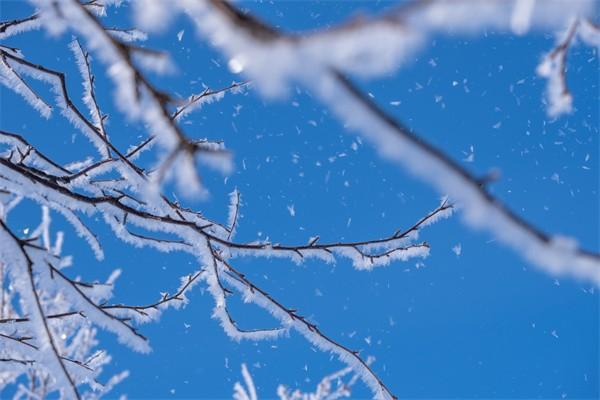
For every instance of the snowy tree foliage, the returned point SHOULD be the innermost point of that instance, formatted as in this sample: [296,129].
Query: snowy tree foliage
[49,319]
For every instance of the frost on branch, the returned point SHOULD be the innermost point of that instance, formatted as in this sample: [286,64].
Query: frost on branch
[49,305]
[371,47]
[112,186]
[42,354]
[553,66]
[136,96]
[11,79]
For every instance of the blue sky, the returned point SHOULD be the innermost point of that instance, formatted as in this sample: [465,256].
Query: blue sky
[484,323]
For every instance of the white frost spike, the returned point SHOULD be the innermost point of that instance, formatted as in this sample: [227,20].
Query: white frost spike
[240,392]
[58,243]
[113,277]
[233,215]
[83,60]
[46,227]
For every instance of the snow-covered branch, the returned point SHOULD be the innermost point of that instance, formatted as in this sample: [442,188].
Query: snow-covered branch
[114,187]
[373,47]
[29,336]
